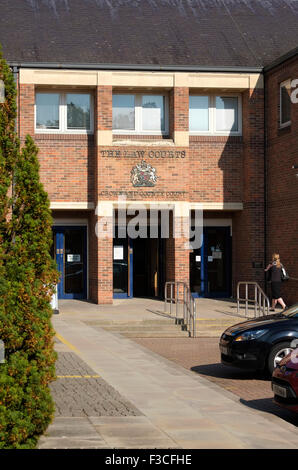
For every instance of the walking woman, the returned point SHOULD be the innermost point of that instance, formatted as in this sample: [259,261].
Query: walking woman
[274,269]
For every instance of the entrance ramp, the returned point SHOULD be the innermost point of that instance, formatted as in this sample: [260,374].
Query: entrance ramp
[143,317]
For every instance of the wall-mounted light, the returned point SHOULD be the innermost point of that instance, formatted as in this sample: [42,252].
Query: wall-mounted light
[2,91]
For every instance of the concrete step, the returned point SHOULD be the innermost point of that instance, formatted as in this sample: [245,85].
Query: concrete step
[230,319]
[137,331]
[213,328]
[133,326]
[144,328]
[222,320]
[166,327]
[117,321]
[207,330]
[155,334]
[209,333]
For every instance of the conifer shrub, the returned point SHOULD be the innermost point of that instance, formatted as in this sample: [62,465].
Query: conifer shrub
[27,279]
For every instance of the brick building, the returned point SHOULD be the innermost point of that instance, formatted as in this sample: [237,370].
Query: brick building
[281,160]
[161,105]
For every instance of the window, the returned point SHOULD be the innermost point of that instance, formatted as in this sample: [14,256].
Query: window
[140,113]
[199,113]
[124,112]
[226,114]
[63,112]
[47,110]
[215,114]
[285,103]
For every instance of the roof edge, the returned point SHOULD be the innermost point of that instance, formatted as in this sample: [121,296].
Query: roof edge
[289,55]
[140,67]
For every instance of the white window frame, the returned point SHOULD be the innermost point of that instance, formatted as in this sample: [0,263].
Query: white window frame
[283,84]
[212,114]
[63,113]
[138,114]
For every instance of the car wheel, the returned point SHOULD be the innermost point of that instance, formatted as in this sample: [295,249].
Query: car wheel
[277,353]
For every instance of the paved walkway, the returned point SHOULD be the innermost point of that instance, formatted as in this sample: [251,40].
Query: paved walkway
[202,356]
[170,406]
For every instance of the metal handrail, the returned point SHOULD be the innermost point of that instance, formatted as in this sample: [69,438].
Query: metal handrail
[260,301]
[187,301]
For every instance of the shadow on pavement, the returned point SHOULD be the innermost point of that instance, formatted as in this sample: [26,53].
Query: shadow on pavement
[220,371]
[252,378]
[267,405]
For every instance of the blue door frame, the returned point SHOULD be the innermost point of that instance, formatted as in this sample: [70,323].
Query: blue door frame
[59,231]
[204,264]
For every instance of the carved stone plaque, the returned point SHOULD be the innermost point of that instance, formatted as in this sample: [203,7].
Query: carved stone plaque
[143,174]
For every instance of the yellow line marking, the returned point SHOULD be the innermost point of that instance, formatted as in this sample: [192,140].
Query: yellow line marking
[63,340]
[78,376]
[71,346]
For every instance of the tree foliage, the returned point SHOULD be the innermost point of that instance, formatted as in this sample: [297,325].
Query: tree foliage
[27,279]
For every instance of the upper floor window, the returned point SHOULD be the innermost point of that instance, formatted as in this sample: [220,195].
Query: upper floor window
[285,103]
[63,112]
[140,113]
[219,114]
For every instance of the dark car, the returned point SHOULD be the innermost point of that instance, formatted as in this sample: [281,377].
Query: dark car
[285,382]
[261,343]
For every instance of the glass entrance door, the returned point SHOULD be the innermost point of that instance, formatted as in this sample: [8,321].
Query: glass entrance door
[210,265]
[138,267]
[122,268]
[70,244]
[217,261]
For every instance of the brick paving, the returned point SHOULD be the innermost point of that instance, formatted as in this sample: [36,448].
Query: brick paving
[202,356]
[80,396]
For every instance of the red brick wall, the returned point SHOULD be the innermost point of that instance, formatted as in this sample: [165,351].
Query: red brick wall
[248,225]
[212,169]
[103,274]
[216,165]
[104,113]
[282,183]
[180,108]
[26,110]
[93,259]
[66,161]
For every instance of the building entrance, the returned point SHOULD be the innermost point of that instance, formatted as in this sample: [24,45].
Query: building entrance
[138,267]
[210,265]
[70,252]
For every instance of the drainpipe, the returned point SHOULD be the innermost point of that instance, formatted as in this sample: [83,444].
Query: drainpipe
[265,183]
[15,71]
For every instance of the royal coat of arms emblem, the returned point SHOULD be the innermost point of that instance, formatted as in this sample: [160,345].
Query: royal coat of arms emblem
[143,174]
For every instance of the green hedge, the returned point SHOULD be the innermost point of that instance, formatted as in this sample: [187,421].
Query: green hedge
[27,279]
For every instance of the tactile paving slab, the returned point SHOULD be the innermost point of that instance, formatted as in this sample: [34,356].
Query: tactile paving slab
[79,391]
